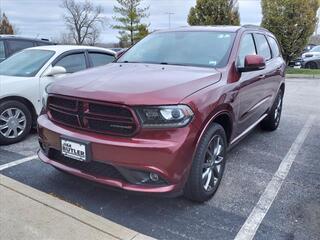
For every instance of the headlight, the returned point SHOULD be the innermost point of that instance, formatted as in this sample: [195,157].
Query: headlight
[165,116]
[45,97]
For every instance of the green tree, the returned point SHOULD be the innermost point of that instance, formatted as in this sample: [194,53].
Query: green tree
[129,16]
[5,26]
[291,21]
[214,12]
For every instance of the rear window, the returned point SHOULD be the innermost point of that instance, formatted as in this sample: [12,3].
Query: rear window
[274,47]
[17,45]
[2,51]
[262,46]
[99,59]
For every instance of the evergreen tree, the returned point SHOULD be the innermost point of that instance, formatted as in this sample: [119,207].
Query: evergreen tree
[129,16]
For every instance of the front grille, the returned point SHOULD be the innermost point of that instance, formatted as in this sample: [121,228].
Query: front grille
[93,116]
[92,168]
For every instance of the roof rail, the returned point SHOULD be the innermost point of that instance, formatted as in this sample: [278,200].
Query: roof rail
[254,26]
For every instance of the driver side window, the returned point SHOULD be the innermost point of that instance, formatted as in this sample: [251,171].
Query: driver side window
[73,63]
[247,47]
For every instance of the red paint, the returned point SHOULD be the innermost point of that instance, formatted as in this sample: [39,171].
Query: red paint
[168,152]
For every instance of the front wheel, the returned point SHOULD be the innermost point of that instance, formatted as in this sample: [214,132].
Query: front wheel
[15,122]
[208,165]
[271,122]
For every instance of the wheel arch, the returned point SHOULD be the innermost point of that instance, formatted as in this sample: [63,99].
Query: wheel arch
[24,101]
[224,118]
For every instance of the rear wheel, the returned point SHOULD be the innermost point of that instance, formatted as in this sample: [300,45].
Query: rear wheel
[272,121]
[15,122]
[208,165]
[311,65]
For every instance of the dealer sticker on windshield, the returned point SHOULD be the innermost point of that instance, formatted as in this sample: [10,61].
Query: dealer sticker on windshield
[74,150]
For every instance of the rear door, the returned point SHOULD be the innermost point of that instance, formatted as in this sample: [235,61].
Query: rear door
[252,93]
[277,70]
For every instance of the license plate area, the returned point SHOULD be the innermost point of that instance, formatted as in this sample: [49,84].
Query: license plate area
[75,149]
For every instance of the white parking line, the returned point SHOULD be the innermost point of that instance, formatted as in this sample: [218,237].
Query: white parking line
[17,162]
[251,225]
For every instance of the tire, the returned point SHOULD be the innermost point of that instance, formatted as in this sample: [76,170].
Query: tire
[272,121]
[198,188]
[16,116]
[311,65]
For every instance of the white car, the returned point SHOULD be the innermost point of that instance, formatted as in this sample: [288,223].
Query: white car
[25,75]
[311,59]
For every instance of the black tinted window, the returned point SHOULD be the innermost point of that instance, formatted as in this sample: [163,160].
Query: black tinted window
[274,47]
[73,63]
[247,47]
[99,59]
[2,52]
[262,46]
[42,43]
[17,45]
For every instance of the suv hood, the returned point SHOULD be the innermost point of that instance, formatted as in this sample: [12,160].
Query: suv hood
[136,83]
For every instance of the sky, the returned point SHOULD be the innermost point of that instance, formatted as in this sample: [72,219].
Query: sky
[43,18]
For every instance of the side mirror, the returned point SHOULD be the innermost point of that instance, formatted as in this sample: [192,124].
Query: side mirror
[253,63]
[53,71]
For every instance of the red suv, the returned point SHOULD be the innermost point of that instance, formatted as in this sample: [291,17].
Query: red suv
[161,118]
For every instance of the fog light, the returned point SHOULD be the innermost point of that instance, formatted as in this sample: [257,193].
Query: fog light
[154,177]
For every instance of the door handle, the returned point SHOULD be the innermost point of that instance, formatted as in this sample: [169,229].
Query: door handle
[262,76]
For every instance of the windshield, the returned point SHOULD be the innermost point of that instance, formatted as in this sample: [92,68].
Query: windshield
[26,63]
[315,49]
[204,49]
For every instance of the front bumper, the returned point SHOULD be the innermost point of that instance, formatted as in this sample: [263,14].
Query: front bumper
[166,153]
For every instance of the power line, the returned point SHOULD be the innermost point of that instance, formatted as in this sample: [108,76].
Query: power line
[169,15]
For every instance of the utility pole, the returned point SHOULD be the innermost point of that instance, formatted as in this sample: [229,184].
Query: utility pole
[169,14]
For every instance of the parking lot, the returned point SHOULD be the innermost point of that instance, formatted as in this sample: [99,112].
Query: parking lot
[252,164]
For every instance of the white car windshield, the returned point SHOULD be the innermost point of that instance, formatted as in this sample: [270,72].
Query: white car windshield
[26,63]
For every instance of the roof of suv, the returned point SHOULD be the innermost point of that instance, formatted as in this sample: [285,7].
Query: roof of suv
[220,28]
[4,36]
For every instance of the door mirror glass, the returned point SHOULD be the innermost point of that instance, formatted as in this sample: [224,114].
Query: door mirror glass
[253,63]
[54,71]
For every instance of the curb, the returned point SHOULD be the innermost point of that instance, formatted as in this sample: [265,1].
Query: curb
[302,76]
[79,214]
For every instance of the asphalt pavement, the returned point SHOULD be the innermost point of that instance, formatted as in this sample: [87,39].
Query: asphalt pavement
[252,201]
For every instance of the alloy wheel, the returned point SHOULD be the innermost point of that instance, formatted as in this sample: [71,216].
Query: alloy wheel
[12,123]
[212,166]
[278,110]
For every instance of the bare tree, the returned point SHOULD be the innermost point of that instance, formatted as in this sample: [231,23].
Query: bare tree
[84,21]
